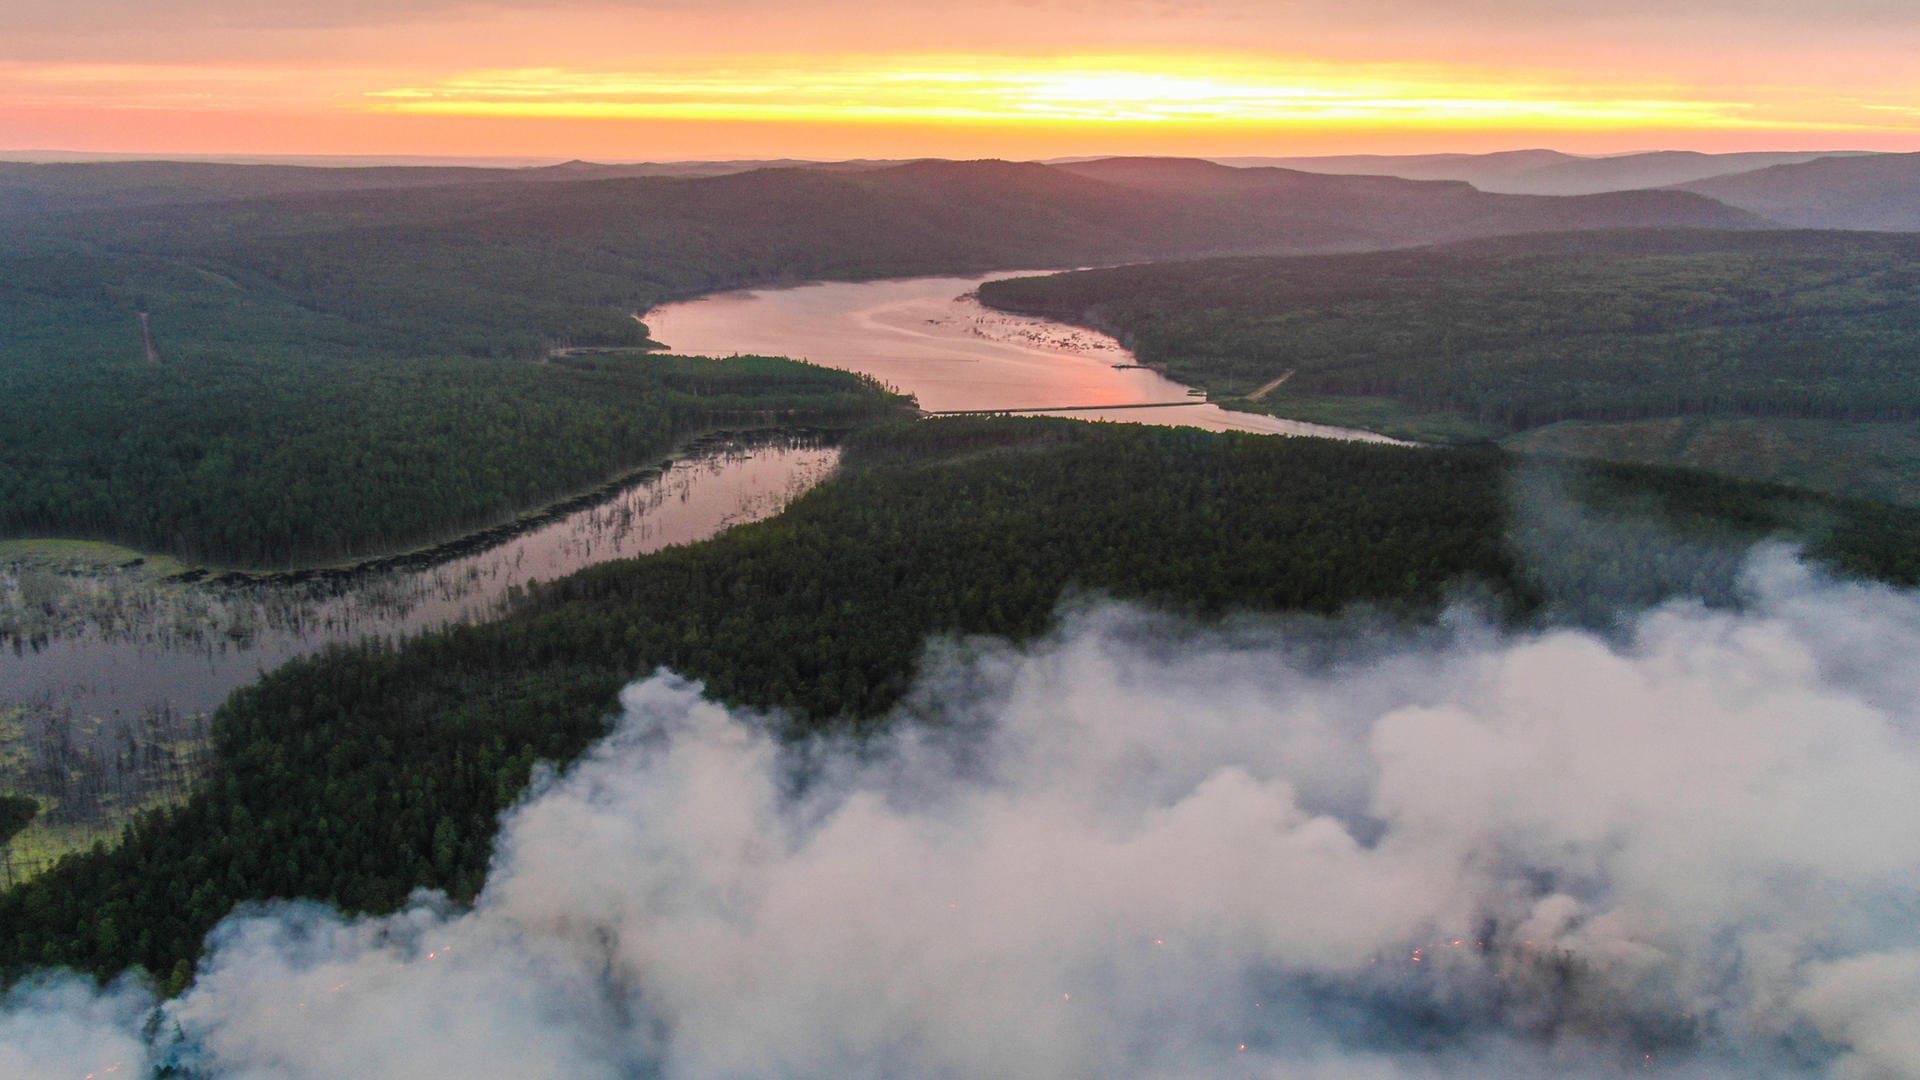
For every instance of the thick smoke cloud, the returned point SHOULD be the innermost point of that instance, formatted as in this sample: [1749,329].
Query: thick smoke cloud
[61,1026]
[1146,849]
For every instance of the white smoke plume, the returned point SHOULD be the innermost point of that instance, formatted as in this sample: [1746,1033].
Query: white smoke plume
[1143,849]
[61,1026]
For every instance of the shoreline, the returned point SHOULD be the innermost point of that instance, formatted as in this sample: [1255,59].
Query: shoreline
[80,554]
[1235,404]
[480,540]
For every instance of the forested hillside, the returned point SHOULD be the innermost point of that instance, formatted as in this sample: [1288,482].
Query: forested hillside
[1499,336]
[359,775]
[506,267]
[1877,191]
[321,366]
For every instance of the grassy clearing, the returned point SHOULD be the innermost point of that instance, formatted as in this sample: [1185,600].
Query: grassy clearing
[77,555]
[44,843]
[76,810]
[52,836]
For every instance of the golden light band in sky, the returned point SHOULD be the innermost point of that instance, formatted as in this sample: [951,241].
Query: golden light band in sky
[1204,91]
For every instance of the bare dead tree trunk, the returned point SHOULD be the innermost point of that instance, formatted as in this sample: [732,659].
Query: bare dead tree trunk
[146,336]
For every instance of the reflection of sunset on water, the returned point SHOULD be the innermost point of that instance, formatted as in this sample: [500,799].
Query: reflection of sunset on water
[930,338]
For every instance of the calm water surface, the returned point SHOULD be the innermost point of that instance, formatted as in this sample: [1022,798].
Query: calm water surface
[928,337]
[99,653]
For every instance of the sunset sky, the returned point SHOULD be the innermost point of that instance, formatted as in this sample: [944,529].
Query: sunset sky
[668,79]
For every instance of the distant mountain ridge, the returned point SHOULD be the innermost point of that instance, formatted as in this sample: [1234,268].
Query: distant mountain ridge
[938,214]
[1803,189]
[1550,172]
[55,187]
[1466,167]
[1880,193]
[1660,168]
[1383,211]
[52,186]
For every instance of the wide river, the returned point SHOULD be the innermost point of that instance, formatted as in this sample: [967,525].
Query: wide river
[92,659]
[929,337]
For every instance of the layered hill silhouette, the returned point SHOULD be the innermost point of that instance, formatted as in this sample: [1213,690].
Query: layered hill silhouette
[1382,211]
[52,187]
[1133,207]
[1660,168]
[29,188]
[1549,172]
[1320,202]
[1473,168]
[1880,192]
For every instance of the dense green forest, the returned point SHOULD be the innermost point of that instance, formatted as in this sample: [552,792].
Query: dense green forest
[253,462]
[355,776]
[1491,337]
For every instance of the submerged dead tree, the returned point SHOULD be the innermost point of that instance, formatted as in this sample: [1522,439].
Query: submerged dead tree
[16,813]
[96,771]
[146,338]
